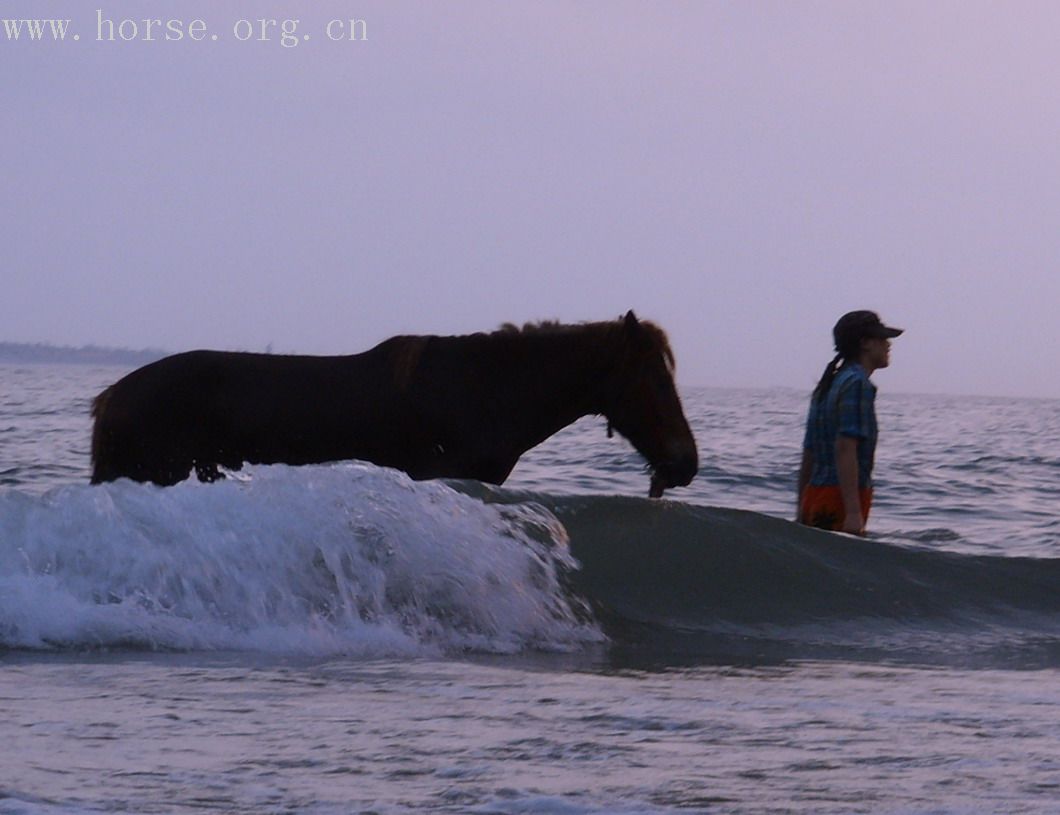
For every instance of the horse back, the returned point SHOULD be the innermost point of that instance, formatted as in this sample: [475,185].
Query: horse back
[229,408]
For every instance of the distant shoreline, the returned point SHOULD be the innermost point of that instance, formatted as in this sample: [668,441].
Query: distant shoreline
[43,353]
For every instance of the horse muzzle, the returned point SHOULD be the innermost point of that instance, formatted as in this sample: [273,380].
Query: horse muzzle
[674,472]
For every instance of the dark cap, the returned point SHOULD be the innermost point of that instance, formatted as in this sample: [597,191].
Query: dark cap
[858,325]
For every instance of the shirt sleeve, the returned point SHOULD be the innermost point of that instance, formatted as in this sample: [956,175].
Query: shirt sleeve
[854,406]
[807,439]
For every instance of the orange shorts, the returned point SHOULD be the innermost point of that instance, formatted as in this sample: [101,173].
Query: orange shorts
[822,507]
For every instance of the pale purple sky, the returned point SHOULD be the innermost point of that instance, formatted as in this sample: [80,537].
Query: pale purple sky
[740,172]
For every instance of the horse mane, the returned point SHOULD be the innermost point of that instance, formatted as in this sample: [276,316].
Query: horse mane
[405,351]
[606,331]
[405,357]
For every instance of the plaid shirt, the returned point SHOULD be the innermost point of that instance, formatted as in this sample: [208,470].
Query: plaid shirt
[848,409]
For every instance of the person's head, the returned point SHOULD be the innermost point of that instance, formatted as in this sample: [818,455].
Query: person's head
[860,336]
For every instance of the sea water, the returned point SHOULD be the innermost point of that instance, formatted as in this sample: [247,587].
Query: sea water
[342,639]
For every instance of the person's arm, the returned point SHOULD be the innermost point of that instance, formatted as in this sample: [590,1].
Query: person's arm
[846,460]
[805,469]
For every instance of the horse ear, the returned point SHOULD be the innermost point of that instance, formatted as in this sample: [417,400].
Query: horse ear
[631,321]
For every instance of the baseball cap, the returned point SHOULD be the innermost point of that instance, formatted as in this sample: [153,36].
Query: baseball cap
[857,325]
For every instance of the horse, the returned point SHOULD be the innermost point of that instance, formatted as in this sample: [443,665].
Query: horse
[464,407]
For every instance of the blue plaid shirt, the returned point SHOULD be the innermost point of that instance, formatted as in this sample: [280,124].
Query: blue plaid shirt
[848,409]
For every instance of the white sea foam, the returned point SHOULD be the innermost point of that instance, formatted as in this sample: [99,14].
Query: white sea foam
[350,559]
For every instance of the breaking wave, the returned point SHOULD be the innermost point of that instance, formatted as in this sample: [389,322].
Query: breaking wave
[359,560]
[317,560]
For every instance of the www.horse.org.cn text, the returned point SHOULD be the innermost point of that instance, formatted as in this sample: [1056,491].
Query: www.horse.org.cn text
[287,33]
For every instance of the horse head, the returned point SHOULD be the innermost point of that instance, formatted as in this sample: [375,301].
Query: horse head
[642,404]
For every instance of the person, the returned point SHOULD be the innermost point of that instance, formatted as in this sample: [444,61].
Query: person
[835,479]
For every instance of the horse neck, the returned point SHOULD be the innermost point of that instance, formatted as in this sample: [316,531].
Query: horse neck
[560,379]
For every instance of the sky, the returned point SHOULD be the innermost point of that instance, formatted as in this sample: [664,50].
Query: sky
[741,173]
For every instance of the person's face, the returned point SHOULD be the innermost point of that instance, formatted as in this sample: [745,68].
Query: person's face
[878,350]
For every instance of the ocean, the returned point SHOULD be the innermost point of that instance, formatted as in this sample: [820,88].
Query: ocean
[341,639]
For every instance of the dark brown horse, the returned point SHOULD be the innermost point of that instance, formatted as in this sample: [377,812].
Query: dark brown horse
[435,407]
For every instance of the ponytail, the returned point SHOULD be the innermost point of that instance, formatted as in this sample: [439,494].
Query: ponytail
[825,383]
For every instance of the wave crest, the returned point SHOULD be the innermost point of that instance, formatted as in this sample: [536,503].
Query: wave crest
[320,560]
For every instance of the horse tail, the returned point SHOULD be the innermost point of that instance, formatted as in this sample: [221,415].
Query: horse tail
[102,463]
